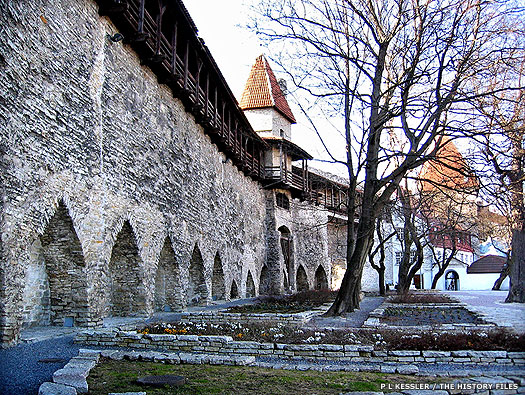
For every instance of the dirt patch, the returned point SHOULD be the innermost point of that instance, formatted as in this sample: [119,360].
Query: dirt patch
[421,298]
[296,303]
[428,316]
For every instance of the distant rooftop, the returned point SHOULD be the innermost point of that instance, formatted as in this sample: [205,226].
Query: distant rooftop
[488,264]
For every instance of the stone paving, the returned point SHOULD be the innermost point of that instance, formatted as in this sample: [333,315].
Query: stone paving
[491,305]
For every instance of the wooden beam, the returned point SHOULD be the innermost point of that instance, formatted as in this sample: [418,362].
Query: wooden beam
[186,64]
[115,7]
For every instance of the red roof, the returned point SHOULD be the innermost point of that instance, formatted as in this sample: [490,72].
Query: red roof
[262,90]
[448,169]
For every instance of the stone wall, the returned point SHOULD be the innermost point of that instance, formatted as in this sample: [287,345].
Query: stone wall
[114,200]
[87,134]
[225,345]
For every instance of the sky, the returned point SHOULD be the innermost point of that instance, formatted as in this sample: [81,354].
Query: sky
[221,25]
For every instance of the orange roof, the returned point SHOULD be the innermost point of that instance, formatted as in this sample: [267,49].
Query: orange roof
[262,90]
[448,169]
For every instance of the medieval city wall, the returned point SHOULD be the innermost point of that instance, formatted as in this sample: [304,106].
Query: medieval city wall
[114,200]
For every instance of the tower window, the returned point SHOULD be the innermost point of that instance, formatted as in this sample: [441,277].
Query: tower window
[282,201]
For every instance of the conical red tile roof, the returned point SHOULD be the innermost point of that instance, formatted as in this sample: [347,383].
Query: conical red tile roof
[262,90]
[448,169]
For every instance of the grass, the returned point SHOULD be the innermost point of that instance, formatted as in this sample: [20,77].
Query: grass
[119,376]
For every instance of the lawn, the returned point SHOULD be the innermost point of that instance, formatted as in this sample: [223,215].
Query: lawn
[119,376]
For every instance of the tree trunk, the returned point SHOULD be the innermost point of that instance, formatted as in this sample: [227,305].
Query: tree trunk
[347,299]
[403,282]
[438,275]
[503,275]
[517,273]
[381,273]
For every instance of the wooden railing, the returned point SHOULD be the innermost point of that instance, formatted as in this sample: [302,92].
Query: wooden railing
[288,178]
[163,35]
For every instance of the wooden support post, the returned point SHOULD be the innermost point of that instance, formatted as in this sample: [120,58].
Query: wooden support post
[140,35]
[197,80]
[162,8]
[186,64]
[174,50]
[207,97]
[222,118]
[236,138]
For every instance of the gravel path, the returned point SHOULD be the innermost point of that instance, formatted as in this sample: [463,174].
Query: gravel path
[21,373]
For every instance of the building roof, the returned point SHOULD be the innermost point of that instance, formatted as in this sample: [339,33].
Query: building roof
[296,152]
[448,169]
[262,90]
[488,264]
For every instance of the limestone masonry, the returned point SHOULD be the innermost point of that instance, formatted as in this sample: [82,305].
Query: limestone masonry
[122,195]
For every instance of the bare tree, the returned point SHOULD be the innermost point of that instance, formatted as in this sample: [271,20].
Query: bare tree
[384,67]
[503,154]
[379,264]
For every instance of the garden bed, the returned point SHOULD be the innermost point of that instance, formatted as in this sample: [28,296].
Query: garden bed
[429,316]
[422,298]
[287,304]
[380,339]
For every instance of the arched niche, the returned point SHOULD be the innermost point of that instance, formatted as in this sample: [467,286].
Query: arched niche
[234,291]
[301,279]
[250,285]
[285,241]
[167,280]
[196,292]
[265,281]
[321,279]
[126,277]
[58,278]
[218,289]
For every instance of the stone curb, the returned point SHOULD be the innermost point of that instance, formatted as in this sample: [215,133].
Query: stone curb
[220,317]
[225,345]
[374,318]
[71,379]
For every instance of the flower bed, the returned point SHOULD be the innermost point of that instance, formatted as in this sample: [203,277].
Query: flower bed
[299,302]
[382,339]
[444,316]
[422,298]
[428,316]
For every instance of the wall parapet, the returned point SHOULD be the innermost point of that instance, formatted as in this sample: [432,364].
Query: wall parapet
[221,317]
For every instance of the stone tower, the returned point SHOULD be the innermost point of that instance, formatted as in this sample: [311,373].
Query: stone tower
[264,104]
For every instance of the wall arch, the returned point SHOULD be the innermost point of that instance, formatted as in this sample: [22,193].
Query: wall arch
[62,289]
[234,290]
[167,280]
[301,279]
[286,243]
[126,277]
[218,288]
[265,281]
[250,285]
[320,278]
[196,292]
